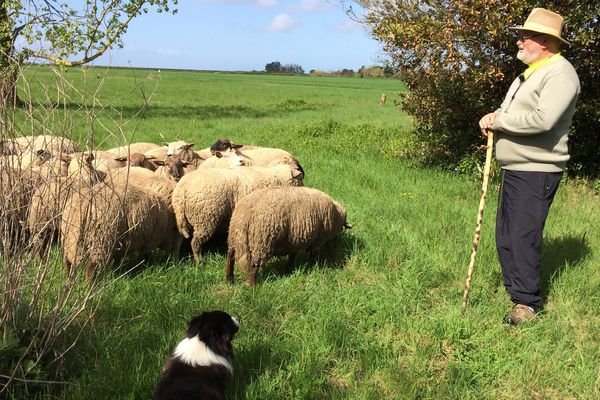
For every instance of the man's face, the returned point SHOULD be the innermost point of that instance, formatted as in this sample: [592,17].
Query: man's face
[530,49]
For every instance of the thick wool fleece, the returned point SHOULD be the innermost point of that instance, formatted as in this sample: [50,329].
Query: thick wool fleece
[532,125]
[282,221]
[204,199]
[143,179]
[267,157]
[104,223]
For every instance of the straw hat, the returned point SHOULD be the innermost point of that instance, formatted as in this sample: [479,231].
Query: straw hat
[543,21]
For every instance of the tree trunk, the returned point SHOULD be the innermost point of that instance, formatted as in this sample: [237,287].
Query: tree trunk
[8,76]
[8,92]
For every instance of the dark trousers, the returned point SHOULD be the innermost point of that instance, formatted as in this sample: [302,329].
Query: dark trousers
[523,205]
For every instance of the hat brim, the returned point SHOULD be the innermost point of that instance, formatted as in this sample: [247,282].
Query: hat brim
[521,28]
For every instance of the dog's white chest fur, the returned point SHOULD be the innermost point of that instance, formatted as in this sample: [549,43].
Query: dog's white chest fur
[195,353]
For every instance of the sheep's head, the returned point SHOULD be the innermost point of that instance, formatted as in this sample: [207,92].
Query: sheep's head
[341,216]
[141,160]
[177,148]
[173,166]
[235,159]
[223,145]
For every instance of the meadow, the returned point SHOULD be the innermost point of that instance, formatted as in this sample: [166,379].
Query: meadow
[380,315]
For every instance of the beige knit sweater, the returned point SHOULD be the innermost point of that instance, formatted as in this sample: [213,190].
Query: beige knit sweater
[532,124]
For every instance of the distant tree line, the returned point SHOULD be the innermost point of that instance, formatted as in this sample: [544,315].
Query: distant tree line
[276,67]
[374,71]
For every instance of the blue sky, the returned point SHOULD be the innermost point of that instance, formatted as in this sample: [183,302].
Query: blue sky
[234,35]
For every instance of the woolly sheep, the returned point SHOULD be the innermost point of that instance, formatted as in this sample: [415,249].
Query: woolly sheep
[183,150]
[141,147]
[258,156]
[16,189]
[141,160]
[145,180]
[27,159]
[105,223]
[171,168]
[82,167]
[51,143]
[50,198]
[56,166]
[204,199]
[278,222]
[224,159]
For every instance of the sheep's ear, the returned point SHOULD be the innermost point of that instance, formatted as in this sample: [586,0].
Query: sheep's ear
[159,162]
[166,144]
[347,225]
[121,159]
[89,157]
[218,154]
[297,174]
[236,146]
[187,146]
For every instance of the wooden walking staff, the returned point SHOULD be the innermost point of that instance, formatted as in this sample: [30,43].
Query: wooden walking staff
[486,176]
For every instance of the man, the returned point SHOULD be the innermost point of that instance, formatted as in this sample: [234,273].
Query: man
[530,132]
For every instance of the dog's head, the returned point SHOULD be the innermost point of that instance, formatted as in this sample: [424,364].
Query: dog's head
[216,329]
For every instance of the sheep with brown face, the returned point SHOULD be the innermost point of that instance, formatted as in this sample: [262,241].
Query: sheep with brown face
[171,168]
[141,160]
[281,221]
[204,199]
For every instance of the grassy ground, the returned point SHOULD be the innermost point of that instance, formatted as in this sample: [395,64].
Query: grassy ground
[380,316]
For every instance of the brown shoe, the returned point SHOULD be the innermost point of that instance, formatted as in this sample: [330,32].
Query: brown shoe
[520,315]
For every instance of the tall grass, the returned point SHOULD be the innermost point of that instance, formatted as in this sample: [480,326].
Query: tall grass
[380,316]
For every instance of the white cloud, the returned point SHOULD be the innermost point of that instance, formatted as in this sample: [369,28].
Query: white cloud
[168,52]
[224,1]
[259,3]
[311,6]
[281,23]
[347,26]
[266,3]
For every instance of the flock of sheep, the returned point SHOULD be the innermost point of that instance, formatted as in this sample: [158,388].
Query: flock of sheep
[101,206]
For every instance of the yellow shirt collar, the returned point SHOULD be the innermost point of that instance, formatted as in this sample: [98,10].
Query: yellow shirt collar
[539,64]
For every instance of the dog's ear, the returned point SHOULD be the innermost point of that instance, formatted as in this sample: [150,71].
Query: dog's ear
[216,329]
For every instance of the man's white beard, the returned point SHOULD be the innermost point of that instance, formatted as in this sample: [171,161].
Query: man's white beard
[528,57]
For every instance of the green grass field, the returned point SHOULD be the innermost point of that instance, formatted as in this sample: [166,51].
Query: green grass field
[381,316]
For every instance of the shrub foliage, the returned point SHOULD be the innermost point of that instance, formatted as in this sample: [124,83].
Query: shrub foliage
[458,59]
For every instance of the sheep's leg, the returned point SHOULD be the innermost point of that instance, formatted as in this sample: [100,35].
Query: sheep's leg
[177,246]
[252,271]
[229,266]
[197,243]
[291,262]
[68,265]
[91,272]
[40,251]
[45,244]
[313,256]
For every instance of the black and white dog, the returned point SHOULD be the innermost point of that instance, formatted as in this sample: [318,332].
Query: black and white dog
[202,361]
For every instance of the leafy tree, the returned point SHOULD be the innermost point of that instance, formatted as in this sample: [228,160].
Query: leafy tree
[55,31]
[458,59]
[273,67]
[293,69]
